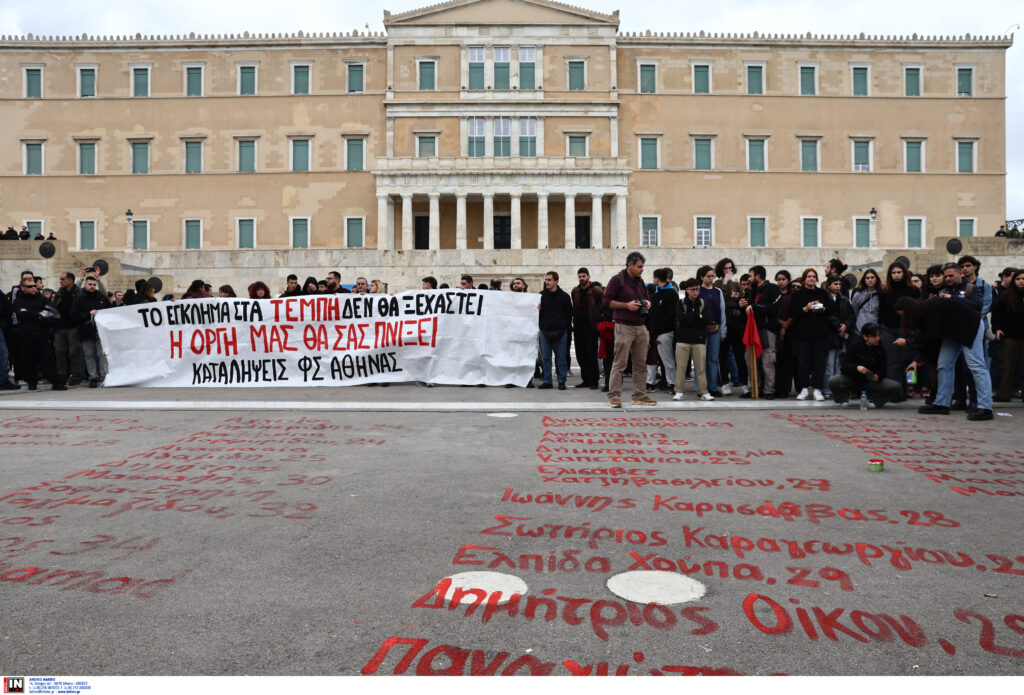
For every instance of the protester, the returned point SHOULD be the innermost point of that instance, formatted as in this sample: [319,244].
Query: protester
[35,353]
[586,310]
[663,320]
[67,346]
[259,290]
[863,370]
[229,291]
[1008,324]
[693,325]
[87,304]
[555,322]
[811,313]
[626,295]
[292,288]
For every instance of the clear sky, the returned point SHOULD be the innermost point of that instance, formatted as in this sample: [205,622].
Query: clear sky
[889,17]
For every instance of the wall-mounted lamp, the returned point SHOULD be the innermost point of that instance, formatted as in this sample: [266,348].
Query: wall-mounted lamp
[873,214]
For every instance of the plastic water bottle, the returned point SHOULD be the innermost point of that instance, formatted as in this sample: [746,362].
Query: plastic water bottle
[863,400]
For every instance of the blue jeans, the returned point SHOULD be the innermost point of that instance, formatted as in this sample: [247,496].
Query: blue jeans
[561,349]
[975,358]
[713,344]
[831,368]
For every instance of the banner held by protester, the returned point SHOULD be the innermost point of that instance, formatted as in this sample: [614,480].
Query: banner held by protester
[435,336]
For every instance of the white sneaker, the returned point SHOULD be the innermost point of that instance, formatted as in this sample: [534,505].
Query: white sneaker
[707,397]
[818,395]
[746,389]
[678,396]
[726,390]
[802,396]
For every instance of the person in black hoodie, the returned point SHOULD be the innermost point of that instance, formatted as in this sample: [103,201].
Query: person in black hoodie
[35,353]
[811,312]
[555,322]
[87,303]
[863,369]
[761,305]
[843,321]
[663,321]
[691,331]
[897,347]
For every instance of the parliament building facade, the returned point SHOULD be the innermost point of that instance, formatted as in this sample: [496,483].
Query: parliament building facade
[502,124]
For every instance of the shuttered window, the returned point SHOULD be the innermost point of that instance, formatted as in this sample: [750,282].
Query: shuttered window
[648,79]
[912,82]
[807,80]
[246,155]
[860,82]
[87,158]
[862,233]
[354,154]
[426,75]
[87,235]
[702,153]
[577,75]
[300,155]
[915,236]
[913,150]
[808,155]
[757,232]
[648,153]
[300,79]
[300,233]
[247,234]
[193,157]
[755,155]
[502,69]
[701,79]
[33,83]
[140,157]
[194,82]
[193,234]
[810,233]
[355,78]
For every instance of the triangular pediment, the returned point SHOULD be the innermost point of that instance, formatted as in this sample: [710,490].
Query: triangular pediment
[504,12]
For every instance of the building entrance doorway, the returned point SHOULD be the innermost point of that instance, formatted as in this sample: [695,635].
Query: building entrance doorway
[582,231]
[502,232]
[422,230]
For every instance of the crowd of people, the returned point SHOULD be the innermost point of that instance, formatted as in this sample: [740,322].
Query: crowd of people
[946,335]
[11,234]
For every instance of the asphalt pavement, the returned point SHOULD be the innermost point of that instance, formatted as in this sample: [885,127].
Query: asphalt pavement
[407,530]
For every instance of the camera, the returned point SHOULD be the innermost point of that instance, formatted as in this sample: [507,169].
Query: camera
[643,310]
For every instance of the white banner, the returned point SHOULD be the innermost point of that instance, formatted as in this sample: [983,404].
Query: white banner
[436,336]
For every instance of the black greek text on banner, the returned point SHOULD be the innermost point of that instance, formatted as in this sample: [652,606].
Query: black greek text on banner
[437,336]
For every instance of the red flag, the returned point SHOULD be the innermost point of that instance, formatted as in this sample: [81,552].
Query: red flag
[751,336]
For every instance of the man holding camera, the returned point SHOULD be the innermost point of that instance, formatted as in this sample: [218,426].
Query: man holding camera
[626,295]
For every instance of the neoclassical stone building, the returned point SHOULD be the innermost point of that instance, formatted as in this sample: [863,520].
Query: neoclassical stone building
[502,124]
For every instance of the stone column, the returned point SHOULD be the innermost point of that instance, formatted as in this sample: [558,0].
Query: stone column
[542,220]
[517,227]
[460,221]
[383,228]
[407,243]
[435,221]
[488,220]
[570,221]
[596,223]
[620,221]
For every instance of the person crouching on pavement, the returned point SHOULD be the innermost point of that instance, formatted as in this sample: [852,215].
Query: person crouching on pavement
[862,368]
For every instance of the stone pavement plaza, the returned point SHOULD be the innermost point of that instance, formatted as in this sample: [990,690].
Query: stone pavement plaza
[504,531]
